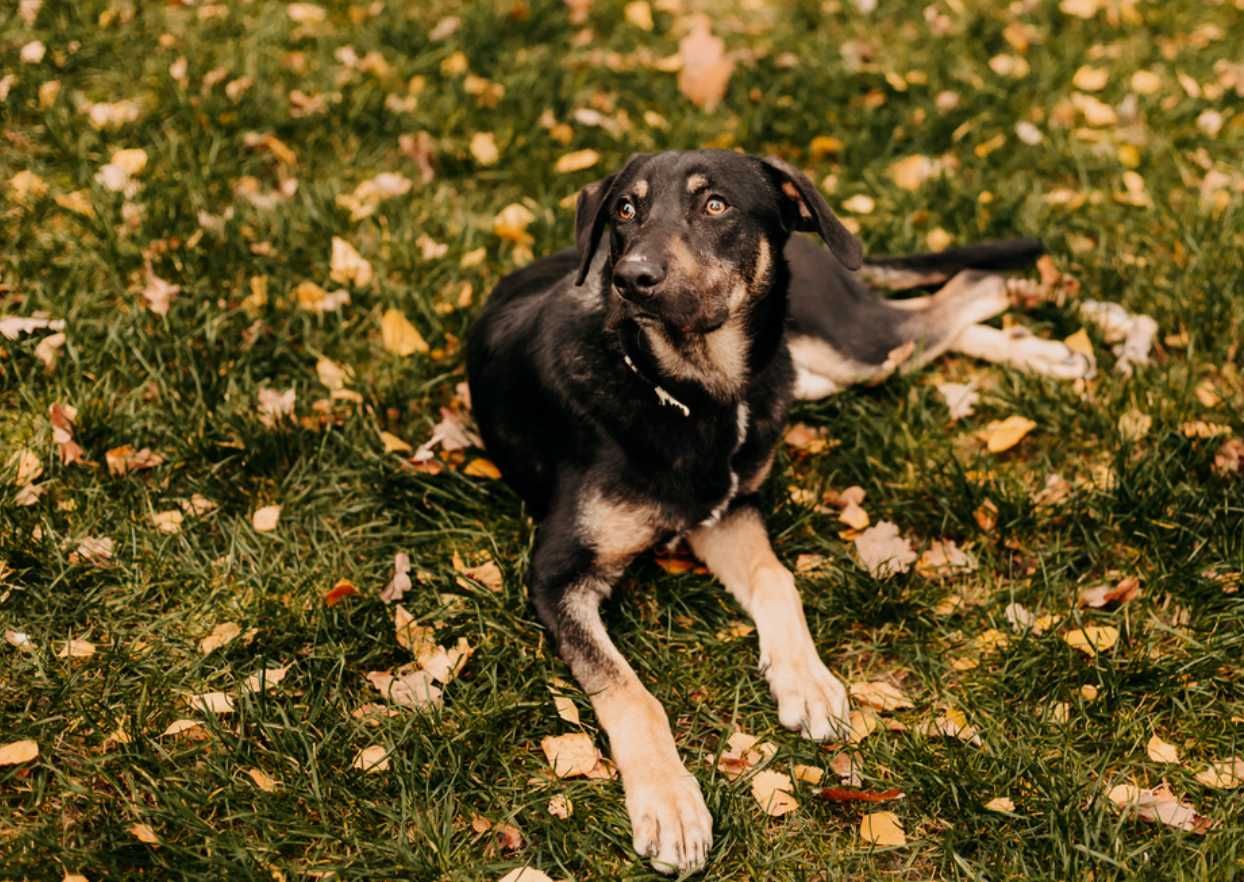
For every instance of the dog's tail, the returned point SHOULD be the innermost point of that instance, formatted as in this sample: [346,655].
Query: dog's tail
[933,268]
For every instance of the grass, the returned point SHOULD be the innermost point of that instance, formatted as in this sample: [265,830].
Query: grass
[185,385]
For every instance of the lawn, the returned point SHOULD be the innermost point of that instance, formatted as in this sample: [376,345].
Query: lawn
[172,180]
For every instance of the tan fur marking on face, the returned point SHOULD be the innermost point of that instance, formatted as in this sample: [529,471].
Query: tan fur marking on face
[641,188]
[616,530]
[696,182]
[682,258]
[717,361]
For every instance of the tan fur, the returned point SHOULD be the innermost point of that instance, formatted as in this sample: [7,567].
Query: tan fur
[616,530]
[696,182]
[641,188]
[717,360]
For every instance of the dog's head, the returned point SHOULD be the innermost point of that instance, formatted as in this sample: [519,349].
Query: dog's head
[693,236]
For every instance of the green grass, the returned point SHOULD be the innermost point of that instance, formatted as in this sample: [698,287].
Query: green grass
[185,385]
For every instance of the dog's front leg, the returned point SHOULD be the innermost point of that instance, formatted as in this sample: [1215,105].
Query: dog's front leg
[809,697]
[671,825]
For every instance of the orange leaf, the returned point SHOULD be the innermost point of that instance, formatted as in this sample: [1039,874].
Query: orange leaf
[339,592]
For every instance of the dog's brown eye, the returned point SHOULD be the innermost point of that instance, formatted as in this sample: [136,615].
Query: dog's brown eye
[715,205]
[625,210]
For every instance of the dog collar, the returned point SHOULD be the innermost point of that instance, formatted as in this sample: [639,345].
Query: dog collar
[663,395]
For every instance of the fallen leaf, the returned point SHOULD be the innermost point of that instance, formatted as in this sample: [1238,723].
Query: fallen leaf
[706,68]
[884,552]
[410,688]
[371,760]
[265,680]
[275,405]
[880,695]
[1224,775]
[125,459]
[313,298]
[942,558]
[340,591]
[263,780]
[1158,804]
[1134,425]
[445,664]
[570,755]
[953,723]
[854,516]
[910,172]
[560,806]
[212,702]
[76,649]
[961,399]
[400,583]
[808,774]
[772,790]
[847,766]
[1099,596]
[864,722]
[221,635]
[525,874]
[1092,639]
[167,521]
[17,752]
[399,336]
[1203,429]
[265,519]
[882,829]
[1160,751]
[158,293]
[481,467]
[743,752]
[143,833]
[348,267]
[1002,804]
[1001,435]
[193,730]
[566,709]
[860,204]
[411,636]
[578,160]
[484,148]
[1090,79]
[845,794]
[487,574]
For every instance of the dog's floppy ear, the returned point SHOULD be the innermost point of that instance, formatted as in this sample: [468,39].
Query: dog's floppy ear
[810,213]
[589,220]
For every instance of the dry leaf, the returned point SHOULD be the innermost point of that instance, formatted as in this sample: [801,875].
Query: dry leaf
[445,664]
[881,695]
[1001,804]
[125,459]
[220,636]
[167,521]
[143,833]
[371,759]
[864,722]
[706,68]
[1159,804]
[76,649]
[943,558]
[854,516]
[808,774]
[487,574]
[399,336]
[1103,595]
[481,467]
[845,794]
[566,709]
[1002,435]
[158,293]
[265,519]
[560,806]
[883,552]
[882,829]
[410,688]
[484,148]
[772,790]
[191,729]
[263,780]
[960,398]
[212,702]
[265,680]
[340,591]
[348,266]
[576,161]
[525,874]
[1202,429]
[847,766]
[1092,639]
[570,755]
[743,752]
[17,752]
[910,172]
[414,638]
[1160,751]
[1224,775]
[400,583]
[860,204]
[953,723]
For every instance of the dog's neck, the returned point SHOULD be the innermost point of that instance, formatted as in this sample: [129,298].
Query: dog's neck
[717,367]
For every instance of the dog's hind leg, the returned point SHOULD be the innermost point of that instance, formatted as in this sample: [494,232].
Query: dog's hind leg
[1018,347]
[580,548]
[737,551]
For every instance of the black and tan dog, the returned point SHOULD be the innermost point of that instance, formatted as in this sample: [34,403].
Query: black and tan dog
[635,389]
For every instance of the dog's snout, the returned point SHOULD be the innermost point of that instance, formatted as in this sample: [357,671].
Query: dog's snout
[638,275]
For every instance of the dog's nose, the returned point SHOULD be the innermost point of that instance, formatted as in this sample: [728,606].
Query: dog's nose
[637,275]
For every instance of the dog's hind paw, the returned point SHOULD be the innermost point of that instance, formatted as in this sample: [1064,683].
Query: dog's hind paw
[810,698]
[672,826]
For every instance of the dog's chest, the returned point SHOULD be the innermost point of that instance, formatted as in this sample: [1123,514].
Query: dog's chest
[707,473]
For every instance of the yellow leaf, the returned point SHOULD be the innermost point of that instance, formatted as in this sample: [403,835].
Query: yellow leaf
[1000,804]
[1092,639]
[482,468]
[220,636]
[1225,775]
[1001,435]
[212,702]
[394,444]
[17,752]
[566,709]
[1091,79]
[639,13]
[577,161]
[263,780]
[143,833]
[484,148]
[399,336]
[76,649]
[705,66]
[808,774]
[881,695]
[772,790]
[348,266]
[371,759]
[167,521]
[570,755]
[860,204]
[882,828]
[911,172]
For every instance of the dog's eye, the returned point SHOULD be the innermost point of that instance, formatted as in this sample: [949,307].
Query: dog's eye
[625,210]
[715,205]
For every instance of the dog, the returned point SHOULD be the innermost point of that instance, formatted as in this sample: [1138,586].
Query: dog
[634,389]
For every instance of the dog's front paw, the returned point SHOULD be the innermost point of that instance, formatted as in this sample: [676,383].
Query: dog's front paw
[809,697]
[670,821]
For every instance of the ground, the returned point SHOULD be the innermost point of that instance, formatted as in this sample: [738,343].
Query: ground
[254,117]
